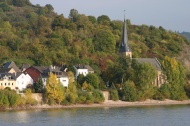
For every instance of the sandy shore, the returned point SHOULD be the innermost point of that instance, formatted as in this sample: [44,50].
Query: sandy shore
[110,103]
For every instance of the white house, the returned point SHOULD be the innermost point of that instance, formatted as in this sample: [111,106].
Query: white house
[82,69]
[61,75]
[22,81]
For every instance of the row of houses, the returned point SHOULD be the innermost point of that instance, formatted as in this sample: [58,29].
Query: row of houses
[20,78]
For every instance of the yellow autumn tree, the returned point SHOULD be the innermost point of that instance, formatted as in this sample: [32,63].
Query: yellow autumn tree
[54,90]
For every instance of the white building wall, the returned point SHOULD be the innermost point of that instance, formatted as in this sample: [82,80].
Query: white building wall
[22,81]
[64,81]
[81,71]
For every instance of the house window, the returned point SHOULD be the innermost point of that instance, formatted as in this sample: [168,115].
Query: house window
[8,83]
[12,83]
[5,84]
[64,80]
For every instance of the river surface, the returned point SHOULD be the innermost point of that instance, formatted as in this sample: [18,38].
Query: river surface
[175,115]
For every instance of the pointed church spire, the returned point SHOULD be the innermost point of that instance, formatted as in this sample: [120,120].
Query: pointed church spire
[124,47]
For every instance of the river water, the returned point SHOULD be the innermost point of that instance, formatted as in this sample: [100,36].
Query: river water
[175,115]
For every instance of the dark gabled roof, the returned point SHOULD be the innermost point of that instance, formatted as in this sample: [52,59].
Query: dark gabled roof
[18,74]
[24,66]
[11,65]
[54,69]
[124,47]
[79,66]
[89,68]
[153,61]
[5,70]
[41,68]
[8,75]
[60,74]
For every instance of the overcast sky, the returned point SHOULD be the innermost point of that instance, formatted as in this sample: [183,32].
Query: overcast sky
[171,14]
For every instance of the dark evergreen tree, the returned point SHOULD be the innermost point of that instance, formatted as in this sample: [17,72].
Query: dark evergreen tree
[39,86]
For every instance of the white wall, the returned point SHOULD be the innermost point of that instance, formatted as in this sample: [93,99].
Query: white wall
[64,81]
[81,71]
[22,81]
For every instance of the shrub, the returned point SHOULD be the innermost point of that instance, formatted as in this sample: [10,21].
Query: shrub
[98,96]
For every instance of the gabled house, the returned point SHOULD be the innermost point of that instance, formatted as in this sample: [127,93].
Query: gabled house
[11,65]
[36,71]
[22,81]
[82,69]
[8,80]
[61,76]
[7,70]
[24,67]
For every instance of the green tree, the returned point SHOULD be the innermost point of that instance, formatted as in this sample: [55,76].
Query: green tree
[92,19]
[144,75]
[54,89]
[80,79]
[98,96]
[105,41]
[87,87]
[14,98]
[129,91]
[113,93]
[104,20]
[39,85]
[175,77]
[72,94]
[4,102]
[50,8]
[73,15]
[93,79]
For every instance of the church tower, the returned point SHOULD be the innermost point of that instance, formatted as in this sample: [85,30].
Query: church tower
[124,47]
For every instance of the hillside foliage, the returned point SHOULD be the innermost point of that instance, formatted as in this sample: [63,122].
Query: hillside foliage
[39,36]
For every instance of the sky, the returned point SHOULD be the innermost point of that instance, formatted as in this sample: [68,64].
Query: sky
[170,14]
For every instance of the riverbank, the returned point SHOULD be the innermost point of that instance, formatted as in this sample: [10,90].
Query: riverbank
[110,103]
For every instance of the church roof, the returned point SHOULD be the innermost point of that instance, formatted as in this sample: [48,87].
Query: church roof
[124,47]
[153,61]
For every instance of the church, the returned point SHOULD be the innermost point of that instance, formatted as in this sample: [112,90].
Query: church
[126,50]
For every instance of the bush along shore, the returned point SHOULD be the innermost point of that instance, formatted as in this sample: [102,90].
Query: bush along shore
[10,100]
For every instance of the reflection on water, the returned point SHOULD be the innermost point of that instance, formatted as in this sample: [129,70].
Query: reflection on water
[133,116]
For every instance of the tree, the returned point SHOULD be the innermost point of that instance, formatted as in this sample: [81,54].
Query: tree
[39,86]
[144,75]
[49,7]
[104,20]
[29,99]
[129,91]
[113,93]
[80,79]
[54,89]
[58,22]
[73,15]
[175,77]
[13,98]
[67,37]
[92,19]
[87,87]
[93,80]
[72,94]
[98,96]
[105,41]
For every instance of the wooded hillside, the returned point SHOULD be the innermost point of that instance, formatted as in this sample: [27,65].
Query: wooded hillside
[37,35]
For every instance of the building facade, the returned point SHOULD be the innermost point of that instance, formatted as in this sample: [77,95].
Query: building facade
[82,69]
